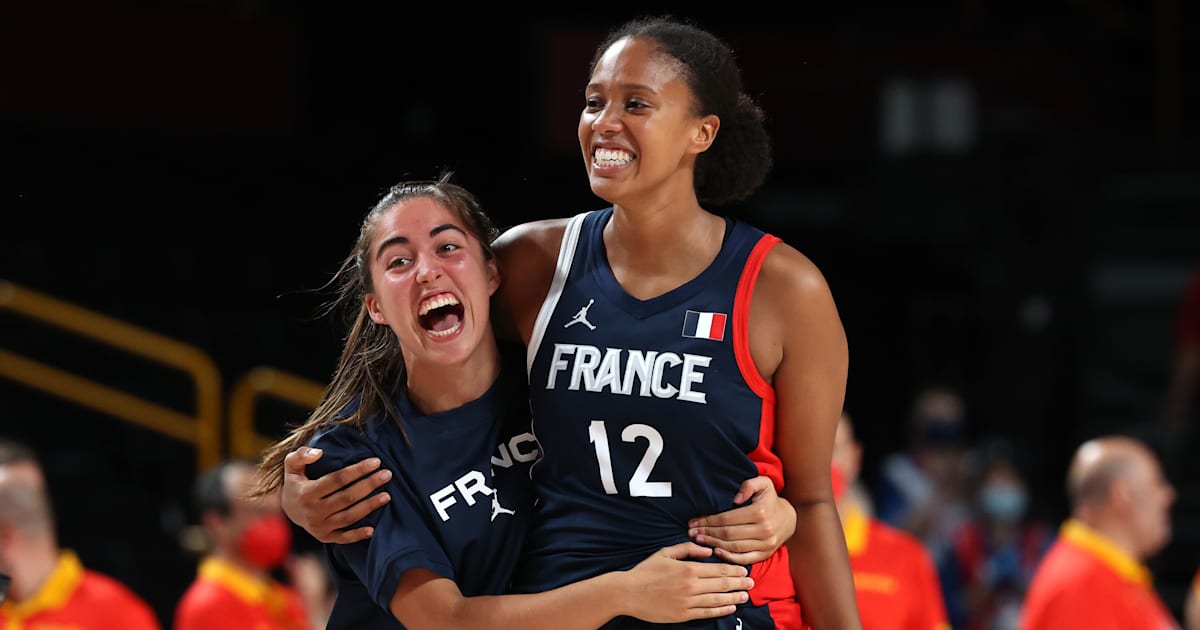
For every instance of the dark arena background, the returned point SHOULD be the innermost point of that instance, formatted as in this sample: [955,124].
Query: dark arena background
[1004,201]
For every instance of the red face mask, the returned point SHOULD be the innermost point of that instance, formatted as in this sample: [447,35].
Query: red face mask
[266,542]
[838,480]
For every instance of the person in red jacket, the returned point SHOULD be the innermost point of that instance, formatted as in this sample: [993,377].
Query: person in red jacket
[1093,576]
[234,587]
[895,581]
[50,587]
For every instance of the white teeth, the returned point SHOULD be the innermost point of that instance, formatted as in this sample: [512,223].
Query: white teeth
[611,157]
[449,331]
[444,299]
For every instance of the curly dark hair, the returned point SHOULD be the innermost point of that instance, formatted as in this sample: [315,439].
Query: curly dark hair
[740,158]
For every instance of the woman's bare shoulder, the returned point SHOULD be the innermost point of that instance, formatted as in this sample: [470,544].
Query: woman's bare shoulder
[528,238]
[789,272]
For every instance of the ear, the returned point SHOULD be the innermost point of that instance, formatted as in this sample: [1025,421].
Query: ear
[493,271]
[705,133]
[1120,494]
[372,305]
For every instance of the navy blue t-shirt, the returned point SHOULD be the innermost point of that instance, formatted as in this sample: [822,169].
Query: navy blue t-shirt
[461,499]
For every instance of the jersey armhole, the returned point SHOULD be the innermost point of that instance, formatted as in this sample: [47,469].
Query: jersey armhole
[741,318]
[566,253]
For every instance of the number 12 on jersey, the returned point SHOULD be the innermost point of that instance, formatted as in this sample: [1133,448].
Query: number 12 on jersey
[639,484]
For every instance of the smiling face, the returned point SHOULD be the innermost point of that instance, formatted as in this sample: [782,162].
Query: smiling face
[430,282]
[638,130]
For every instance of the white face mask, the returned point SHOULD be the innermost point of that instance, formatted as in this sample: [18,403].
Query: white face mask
[1003,501]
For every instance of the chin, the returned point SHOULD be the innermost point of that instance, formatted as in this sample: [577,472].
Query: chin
[604,189]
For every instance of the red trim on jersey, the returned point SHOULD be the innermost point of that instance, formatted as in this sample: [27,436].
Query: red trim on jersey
[773,587]
[768,463]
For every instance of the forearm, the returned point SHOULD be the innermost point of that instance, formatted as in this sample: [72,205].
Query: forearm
[820,568]
[583,605]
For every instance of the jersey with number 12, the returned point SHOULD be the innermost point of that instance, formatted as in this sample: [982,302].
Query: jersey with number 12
[648,413]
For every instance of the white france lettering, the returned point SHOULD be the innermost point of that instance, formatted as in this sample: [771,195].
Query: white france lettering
[586,360]
[558,363]
[640,372]
[640,365]
[692,375]
[468,486]
[609,373]
[657,386]
[443,499]
[522,447]
[471,484]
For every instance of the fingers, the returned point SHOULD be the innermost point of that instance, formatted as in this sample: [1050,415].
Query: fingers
[711,605]
[343,514]
[686,550]
[750,556]
[753,487]
[344,537]
[741,544]
[752,513]
[353,474]
[295,461]
[343,496]
[752,521]
[726,586]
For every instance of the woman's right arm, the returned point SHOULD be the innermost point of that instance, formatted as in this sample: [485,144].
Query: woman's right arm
[664,588]
[403,564]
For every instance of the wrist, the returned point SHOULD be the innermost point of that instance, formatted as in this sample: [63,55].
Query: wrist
[617,592]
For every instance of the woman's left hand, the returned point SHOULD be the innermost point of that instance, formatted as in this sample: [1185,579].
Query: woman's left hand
[750,533]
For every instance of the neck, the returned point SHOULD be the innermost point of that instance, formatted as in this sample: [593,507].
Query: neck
[1111,528]
[654,251]
[230,556]
[34,562]
[434,388]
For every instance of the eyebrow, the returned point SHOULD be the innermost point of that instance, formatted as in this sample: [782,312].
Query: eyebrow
[401,240]
[625,86]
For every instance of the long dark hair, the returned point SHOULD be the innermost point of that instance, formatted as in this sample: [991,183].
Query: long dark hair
[371,368]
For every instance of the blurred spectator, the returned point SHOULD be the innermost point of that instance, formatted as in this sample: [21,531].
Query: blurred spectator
[924,490]
[50,587]
[311,578]
[248,538]
[894,578]
[998,550]
[1093,577]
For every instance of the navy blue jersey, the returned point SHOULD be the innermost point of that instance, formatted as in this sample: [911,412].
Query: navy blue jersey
[461,499]
[648,413]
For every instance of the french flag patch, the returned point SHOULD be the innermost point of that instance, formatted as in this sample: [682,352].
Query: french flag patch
[704,325]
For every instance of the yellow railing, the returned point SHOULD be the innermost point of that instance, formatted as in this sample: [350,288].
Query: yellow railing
[244,438]
[202,428]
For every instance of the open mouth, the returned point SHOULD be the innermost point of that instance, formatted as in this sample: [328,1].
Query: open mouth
[441,315]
